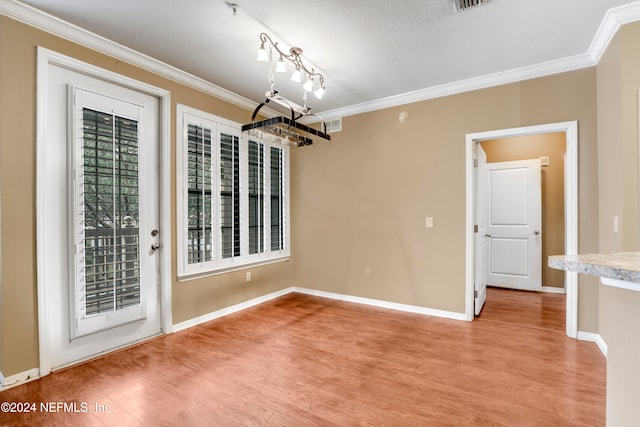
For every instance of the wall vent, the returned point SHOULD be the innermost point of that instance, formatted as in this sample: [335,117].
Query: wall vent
[461,5]
[334,125]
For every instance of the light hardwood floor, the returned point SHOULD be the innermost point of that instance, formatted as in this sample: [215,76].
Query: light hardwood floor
[306,361]
[540,310]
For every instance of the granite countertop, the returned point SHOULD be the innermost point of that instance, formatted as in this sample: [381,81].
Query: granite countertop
[621,266]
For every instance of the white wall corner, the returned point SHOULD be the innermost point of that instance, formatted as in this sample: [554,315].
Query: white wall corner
[228,310]
[595,338]
[384,304]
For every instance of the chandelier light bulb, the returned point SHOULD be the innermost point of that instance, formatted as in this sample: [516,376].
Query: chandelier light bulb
[281,68]
[319,93]
[262,54]
[296,76]
[308,85]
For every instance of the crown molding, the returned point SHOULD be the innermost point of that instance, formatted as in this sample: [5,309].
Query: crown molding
[461,86]
[31,16]
[614,18]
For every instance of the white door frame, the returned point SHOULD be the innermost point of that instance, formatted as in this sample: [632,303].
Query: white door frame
[47,58]
[571,210]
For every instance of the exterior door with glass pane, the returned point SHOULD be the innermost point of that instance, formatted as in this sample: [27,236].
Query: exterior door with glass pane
[108,297]
[107,218]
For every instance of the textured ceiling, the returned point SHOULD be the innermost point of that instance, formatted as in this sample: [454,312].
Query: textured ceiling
[367,49]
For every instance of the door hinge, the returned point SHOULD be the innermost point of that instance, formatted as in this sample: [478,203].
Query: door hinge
[475,294]
[475,228]
[475,163]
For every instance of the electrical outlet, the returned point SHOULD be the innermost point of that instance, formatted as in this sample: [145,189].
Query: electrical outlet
[367,270]
[248,276]
[429,222]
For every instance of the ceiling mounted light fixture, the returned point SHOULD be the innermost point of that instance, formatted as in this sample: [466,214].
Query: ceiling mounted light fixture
[288,130]
[294,57]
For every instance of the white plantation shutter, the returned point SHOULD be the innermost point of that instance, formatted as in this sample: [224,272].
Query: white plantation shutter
[256,195]
[277,219]
[229,195]
[199,195]
[106,213]
[110,212]
[233,211]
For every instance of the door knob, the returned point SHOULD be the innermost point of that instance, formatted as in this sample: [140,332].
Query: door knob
[536,232]
[487,235]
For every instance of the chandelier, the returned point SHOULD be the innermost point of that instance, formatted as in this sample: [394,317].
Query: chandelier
[301,72]
[288,130]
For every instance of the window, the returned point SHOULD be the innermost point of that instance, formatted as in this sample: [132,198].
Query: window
[232,196]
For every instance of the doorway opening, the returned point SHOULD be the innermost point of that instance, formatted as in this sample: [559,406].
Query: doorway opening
[569,131]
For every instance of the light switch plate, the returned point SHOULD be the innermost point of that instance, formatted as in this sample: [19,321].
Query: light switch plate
[429,222]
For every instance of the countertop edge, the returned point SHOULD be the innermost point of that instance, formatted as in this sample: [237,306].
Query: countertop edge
[601,265]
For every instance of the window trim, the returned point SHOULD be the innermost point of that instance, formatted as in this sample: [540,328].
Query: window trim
[190,116]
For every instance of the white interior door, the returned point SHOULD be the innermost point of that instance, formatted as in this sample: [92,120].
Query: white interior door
[481,247]
[101,231]
[514,227]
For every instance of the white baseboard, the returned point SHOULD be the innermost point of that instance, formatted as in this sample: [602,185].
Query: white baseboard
[384,304]
[20,378]
[228,310]
[554,290]
[359,300]
[596,338]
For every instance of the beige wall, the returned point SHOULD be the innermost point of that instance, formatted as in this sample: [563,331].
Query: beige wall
[362,199]
[19,346]
[552,145]
[618,81]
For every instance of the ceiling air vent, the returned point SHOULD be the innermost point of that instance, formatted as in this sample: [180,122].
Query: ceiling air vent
[334,125]
[461,5]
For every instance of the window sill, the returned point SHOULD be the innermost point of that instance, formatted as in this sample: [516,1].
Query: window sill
[258,263]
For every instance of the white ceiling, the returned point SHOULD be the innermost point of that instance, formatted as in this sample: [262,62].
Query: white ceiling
[367,49]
